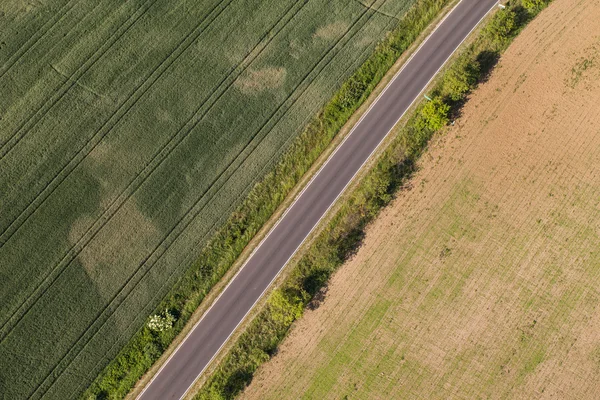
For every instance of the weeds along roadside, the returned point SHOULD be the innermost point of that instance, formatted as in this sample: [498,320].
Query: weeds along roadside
[343,234]
[227,244]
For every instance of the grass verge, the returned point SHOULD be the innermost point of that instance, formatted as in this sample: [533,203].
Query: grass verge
[343,234]
[147,345]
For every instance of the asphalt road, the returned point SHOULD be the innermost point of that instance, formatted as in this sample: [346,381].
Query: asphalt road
[191,358]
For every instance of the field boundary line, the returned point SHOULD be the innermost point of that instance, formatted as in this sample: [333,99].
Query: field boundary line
[146,270]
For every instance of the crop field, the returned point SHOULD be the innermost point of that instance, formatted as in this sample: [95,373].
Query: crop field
[481,279]
[129,130]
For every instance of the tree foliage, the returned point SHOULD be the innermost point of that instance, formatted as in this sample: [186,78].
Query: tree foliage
[285,307]
[534,5]
[434,115]
[501,27]
[461,77]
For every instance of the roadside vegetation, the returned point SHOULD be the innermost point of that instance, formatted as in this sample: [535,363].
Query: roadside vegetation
[343,234]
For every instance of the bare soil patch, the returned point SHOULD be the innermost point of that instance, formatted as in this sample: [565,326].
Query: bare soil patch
[482,280]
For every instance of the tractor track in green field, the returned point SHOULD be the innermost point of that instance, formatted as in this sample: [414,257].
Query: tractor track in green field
[37,116]
[60,14]
[186,219]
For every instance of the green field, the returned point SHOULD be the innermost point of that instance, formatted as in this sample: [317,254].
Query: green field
[129,131]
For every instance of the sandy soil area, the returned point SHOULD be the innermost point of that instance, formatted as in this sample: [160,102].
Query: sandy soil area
[482,281]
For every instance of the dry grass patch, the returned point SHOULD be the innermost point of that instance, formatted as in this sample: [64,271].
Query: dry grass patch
[262,79]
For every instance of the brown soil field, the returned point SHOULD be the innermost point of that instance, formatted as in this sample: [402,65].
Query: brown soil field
[482,279]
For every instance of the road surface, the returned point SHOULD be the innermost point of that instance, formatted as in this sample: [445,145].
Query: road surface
[208,336]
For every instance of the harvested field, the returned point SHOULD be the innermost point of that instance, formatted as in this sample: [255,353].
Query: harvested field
[481,279]
[129,130]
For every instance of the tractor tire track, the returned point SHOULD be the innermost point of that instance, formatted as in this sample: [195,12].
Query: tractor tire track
[32,121]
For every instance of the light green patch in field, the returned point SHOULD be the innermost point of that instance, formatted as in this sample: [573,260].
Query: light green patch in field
[534,358]
[460,203]
[339,357]
[331,30]
[254,81]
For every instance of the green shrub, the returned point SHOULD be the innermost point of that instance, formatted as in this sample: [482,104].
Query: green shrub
[461,77]
[161,322]
[433,115]
[501,27]
[285,307]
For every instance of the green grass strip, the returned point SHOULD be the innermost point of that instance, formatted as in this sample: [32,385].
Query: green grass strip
[343,234]
[147,345]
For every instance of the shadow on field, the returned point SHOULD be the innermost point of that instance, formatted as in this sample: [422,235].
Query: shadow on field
[487,60]
[318,298]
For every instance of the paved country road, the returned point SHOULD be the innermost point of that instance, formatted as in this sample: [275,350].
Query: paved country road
[208,336]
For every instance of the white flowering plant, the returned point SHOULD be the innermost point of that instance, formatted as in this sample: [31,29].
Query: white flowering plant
[161,322]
